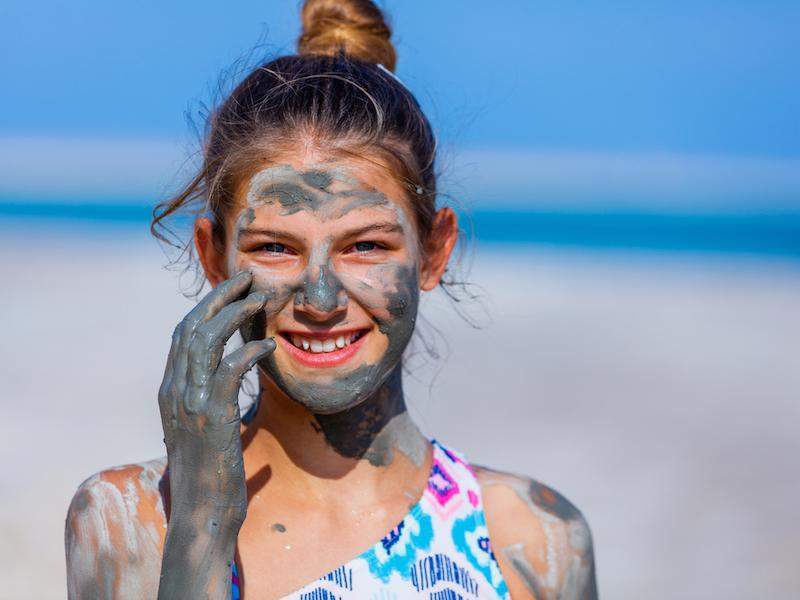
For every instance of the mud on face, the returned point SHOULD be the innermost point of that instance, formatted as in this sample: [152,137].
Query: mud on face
[332,249]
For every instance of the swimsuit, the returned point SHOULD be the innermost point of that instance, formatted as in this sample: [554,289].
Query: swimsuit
[439,551]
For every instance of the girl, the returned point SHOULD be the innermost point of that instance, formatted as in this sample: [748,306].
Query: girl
[319,232]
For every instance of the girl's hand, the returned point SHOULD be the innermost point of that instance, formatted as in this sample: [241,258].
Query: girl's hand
[199,406]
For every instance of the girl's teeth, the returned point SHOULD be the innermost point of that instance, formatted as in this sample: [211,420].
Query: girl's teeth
[329,345]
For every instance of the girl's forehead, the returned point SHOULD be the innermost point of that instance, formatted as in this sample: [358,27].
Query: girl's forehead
[325,191]
[330,177]
[334,218]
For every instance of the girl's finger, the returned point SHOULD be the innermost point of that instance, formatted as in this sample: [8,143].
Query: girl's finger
[232,368]
[205,350]
[222,295]
[225,293]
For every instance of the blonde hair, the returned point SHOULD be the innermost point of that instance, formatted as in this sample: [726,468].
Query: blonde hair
[356,27]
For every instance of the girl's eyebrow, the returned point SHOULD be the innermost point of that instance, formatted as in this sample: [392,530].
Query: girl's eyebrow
[266,231]
[385,226]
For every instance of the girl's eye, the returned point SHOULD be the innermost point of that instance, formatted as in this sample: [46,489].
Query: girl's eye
[365,246]
[273,248]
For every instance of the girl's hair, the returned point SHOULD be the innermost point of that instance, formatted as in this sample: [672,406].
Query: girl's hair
[338,93]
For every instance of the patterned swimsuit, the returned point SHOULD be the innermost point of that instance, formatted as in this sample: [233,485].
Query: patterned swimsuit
[439,551]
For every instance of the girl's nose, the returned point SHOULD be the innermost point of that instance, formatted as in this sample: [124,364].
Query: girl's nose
[322,296]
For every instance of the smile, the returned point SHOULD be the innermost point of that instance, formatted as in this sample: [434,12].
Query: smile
[314,350]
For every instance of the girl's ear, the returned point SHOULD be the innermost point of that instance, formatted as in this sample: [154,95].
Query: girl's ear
[439,247]
[211,257]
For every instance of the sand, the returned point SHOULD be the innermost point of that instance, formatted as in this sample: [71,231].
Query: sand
[659,393]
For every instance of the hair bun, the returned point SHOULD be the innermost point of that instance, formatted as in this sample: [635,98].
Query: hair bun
[356,27]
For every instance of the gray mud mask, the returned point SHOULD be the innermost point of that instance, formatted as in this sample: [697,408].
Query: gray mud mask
[390,294]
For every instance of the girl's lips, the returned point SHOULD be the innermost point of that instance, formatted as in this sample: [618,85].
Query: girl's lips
[322,359]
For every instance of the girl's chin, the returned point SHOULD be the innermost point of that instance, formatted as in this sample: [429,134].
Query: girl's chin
[338,357]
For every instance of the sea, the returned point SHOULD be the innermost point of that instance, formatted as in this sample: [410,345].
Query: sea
[761,234]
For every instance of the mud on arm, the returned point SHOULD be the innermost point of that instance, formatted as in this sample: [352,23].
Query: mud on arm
[541,541]
[201,421]
[114,534]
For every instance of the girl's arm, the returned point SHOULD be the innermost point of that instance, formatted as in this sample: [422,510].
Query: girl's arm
[198,399]
[541,541]
[117,540]
[115,533]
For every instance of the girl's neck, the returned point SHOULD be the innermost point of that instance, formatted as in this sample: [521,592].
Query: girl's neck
[368,446]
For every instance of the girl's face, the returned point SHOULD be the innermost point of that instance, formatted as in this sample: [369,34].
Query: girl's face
[335,247]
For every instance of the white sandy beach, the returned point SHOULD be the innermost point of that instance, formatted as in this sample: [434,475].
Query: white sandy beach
[661,395]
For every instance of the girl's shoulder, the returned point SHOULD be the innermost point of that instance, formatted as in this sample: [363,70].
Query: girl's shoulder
[115,530]
[541,540]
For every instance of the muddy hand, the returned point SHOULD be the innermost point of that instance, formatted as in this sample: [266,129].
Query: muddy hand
[200,416]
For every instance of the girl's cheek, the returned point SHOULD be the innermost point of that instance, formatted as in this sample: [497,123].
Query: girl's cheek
[379,287]
[362,288]
[280,289]
[237,262]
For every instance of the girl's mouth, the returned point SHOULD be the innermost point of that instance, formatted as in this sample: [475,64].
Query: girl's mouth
[323,350]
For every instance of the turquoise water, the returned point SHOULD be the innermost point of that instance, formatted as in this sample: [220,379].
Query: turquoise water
[777,234]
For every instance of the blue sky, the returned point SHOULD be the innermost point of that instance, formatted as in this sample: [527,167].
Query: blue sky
[625,81]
